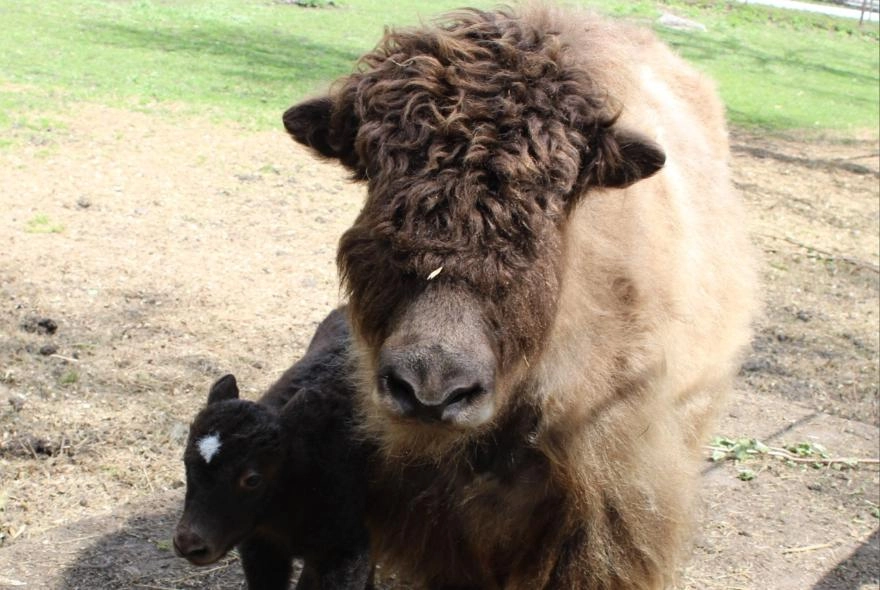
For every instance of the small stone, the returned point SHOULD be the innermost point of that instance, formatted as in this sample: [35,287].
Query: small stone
[756,365]
[17,402]
[671,21]
[178,433]
[39,325]
[804,316]
[248,177]
[48,349]
[83,203]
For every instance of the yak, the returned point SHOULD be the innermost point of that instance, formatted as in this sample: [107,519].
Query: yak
[282,477]
[550,288]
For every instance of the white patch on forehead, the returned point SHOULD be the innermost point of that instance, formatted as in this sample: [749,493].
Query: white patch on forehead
[209,446]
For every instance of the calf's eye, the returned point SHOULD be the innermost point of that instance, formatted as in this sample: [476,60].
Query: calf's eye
[250,480]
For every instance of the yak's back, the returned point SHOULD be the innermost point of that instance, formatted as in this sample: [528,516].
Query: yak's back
[661,273]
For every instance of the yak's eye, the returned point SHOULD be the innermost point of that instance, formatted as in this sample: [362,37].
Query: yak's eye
[250,481]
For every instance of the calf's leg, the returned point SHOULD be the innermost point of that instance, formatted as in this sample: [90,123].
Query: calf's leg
[265,566]
[345,569]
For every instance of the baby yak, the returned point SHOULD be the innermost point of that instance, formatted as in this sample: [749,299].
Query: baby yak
[550,287]
[281,478]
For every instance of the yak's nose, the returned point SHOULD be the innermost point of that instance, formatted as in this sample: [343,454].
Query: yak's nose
[190,545]
[433,384]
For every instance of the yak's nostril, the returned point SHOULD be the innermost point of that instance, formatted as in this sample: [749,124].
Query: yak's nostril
[411,399]
[464,394]
[400,389]
[433,384]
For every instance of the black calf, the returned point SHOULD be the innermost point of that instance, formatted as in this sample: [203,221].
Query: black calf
[282,478]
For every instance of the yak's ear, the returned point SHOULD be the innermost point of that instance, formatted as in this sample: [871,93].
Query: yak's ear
[623,157]
[317,123]
[224,389]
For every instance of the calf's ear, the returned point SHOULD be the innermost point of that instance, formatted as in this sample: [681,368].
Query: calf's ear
[327,125]
[224,388]
[621,157]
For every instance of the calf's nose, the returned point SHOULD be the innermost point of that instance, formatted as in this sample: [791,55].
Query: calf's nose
[189,544]
[433,384]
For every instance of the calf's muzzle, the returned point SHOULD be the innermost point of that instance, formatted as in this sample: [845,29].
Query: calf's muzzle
[190,545]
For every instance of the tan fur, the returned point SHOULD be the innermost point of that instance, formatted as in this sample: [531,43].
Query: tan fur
[629,384]
[642,299]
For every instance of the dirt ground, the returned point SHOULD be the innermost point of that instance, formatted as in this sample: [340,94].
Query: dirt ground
[142,258]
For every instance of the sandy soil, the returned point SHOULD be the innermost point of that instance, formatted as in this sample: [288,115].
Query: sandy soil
[166,253]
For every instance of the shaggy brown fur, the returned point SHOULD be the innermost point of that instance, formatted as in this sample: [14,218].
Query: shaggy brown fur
[517,152]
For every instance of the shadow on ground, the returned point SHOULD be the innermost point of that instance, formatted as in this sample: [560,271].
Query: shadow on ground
[861,568]
[129,548]
[139,555]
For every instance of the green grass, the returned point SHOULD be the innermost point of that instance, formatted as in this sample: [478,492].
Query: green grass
[247,60]
[69,378]
[782,70]
[41,224]
[230,59]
